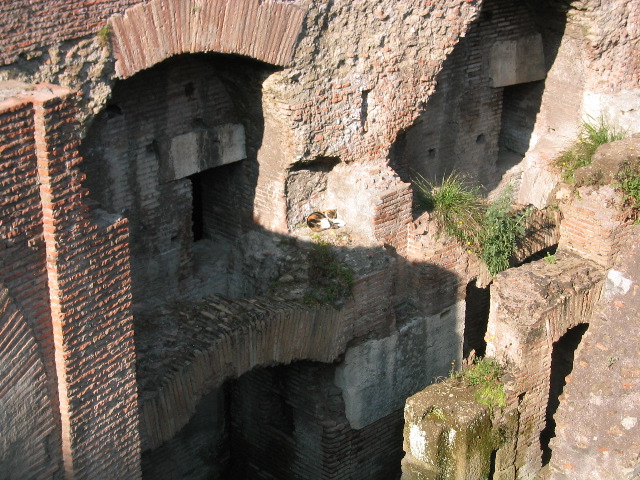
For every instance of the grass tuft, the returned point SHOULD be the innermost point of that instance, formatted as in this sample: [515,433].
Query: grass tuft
[486,374]
[330,280]
[592,134]
[490,230]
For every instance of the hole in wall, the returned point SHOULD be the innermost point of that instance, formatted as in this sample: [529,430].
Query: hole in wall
[364,107]
[197,212]
[492,465]
[520,106]
[189,90]
[562,358]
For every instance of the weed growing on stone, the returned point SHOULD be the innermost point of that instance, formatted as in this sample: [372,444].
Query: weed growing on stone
[330,280]
[103,34]
[456,207]
[486,374]
[502,230]
[490,230]
[629,178]
[550,258]
[592,134]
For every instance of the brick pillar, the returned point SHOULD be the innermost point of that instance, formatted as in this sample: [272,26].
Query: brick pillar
[89,286]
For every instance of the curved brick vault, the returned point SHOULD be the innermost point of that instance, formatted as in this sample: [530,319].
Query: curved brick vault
[148,33]
[217,339]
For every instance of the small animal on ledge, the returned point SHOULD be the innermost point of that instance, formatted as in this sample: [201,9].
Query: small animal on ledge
[319,221]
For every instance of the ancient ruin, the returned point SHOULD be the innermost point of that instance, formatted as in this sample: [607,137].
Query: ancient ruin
[166,312]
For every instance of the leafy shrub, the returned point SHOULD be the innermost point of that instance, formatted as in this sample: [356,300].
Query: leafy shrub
[592,134]
[502,231]
[629,178]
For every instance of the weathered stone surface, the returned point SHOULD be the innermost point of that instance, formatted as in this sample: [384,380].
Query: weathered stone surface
[378,375]
[607,161]
[597,435]
[447,435]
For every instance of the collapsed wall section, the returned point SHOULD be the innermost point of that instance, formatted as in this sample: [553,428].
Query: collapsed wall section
[459,128]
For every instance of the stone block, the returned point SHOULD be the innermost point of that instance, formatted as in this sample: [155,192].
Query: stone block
[520,60]
[447,435]
[199,150]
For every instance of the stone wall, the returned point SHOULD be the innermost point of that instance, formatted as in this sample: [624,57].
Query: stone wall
[345,79]
[596,421]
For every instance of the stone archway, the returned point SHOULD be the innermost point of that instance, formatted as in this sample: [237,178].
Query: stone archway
[149,33]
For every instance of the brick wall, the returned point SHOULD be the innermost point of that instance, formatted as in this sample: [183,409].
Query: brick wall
[438,268]
[593,227]
[33,452]
[22,255]
[460,125]
[370,311]
[392,216]
[264,30]
[89,285]
[29,25]
[79,260]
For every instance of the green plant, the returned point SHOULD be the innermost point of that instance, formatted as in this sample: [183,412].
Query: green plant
[592,134]
[629,178]
[104,33]
[549,258]
[457,207]
[330,280]
[486,374]
[490,230]
[502,230]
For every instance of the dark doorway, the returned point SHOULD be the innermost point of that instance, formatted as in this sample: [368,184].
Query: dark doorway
[562,357]
[476,317]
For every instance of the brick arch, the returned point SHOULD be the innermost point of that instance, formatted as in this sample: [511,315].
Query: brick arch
[151,32]
[236,336]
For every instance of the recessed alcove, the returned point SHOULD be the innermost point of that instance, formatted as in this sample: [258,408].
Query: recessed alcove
[175,152]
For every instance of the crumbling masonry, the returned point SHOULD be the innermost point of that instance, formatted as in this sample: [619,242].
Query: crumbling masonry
[157,162]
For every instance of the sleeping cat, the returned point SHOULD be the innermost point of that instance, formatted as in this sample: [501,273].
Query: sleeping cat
[319,221]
